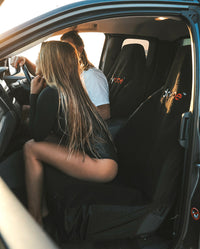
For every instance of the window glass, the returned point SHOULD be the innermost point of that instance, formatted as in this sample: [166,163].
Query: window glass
[93,42]
[144,43]
[93,46]
[32,53]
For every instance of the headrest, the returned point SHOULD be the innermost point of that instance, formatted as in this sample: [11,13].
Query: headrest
[177,90]
[129,64]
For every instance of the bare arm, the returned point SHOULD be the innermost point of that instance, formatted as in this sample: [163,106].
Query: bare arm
[31,67]
[21,60]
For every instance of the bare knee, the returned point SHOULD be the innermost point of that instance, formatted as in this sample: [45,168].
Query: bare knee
[30,156]
[29,148]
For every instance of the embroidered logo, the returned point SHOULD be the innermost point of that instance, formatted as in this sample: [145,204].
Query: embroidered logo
[177,96]
[117,80]
[195,213]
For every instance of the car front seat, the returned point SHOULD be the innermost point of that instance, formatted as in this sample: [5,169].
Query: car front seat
[150,166]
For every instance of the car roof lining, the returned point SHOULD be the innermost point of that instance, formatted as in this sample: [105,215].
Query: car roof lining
[172,28]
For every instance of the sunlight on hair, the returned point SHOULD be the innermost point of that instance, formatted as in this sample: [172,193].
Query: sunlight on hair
[23,10]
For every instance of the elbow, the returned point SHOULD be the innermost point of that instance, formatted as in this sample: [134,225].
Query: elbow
[104,111]
[109,172]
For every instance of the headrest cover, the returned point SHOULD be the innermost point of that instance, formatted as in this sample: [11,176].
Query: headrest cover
[129,64]
[176,94]
[127,83]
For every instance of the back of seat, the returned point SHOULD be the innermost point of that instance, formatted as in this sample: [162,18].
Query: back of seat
[150,155]
[127,88]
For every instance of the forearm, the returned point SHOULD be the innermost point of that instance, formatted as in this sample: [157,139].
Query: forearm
[31,67]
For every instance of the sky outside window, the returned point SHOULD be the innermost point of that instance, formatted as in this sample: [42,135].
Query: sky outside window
[16,12]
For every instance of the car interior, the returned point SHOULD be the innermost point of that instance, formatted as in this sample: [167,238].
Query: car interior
[150,88]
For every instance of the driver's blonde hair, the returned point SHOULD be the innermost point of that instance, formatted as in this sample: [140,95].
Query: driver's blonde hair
[59,65]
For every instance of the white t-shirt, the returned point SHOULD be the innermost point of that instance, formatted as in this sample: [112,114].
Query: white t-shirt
[97,86]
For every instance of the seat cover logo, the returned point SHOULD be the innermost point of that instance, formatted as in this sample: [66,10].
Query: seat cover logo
[195,213]
[177,96]
[117,80]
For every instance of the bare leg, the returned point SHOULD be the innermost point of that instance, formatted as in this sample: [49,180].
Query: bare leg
[34,183]
[101,170]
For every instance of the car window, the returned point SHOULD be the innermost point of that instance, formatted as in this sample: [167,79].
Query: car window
[144,43]
[93,46]
[89,39]
[93,42]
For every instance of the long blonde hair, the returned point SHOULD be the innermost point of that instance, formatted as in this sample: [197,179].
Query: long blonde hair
[59,65]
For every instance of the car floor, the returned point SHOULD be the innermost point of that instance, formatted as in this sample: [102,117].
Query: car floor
[153,242]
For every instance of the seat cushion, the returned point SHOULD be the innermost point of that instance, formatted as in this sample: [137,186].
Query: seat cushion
[76,205]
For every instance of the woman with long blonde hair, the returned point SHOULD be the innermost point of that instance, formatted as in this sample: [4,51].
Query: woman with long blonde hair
[93,78]
[63,113]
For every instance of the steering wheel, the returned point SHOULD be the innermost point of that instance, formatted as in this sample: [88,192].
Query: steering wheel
[27,74]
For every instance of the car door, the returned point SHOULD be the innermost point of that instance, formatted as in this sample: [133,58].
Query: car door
[189,137]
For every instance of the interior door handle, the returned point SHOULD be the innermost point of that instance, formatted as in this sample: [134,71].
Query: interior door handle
[183,137]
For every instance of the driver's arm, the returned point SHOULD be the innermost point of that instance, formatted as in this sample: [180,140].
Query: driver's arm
[20,61]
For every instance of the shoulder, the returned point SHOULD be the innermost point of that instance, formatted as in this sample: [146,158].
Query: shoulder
[97,86]
[94,73]
[48,93]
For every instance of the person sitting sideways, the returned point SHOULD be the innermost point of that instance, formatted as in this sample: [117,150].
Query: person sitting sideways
[68,132]
[94,79]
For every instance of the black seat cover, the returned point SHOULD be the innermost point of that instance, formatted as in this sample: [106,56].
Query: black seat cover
[150,162]
[148,144]
[127,89]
